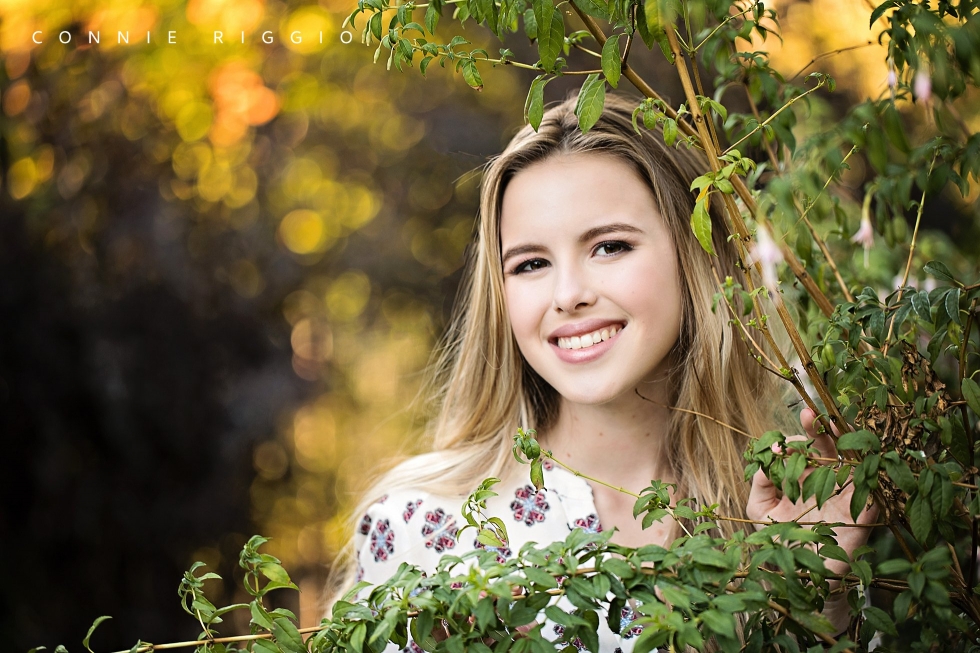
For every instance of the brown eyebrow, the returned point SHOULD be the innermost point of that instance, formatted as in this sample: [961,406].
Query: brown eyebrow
[584,238]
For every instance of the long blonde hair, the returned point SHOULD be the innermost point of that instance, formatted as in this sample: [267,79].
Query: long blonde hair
[484,389]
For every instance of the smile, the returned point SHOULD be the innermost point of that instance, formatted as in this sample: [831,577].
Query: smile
[589,339]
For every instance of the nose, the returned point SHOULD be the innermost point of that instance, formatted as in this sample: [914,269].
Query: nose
[573,290]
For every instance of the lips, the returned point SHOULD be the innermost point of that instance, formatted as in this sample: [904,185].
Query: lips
[585,341]
[589,339]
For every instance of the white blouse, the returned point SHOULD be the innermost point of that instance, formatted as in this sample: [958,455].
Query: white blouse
[418,528]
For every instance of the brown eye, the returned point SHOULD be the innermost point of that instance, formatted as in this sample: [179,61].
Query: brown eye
[530,265]
[611,247]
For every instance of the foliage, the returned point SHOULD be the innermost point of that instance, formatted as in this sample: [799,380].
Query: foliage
[889,363]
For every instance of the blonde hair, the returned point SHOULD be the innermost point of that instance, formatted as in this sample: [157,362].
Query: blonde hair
[484,390]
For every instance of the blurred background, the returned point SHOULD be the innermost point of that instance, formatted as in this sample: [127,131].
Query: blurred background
[223,267]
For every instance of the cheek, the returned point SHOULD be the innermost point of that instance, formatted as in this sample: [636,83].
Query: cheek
[524,310]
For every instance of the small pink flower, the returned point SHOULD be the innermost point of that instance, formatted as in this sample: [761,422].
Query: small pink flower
[922,86]
[865,237]
[767,254]
[892,78]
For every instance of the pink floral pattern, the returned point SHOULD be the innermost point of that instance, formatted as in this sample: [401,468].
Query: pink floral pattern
[590,523]
[410,509]
[577,643]
[365,526]
[503,552]
[382,540]
[412,648]
[439,532]
[626,617]
[529,505]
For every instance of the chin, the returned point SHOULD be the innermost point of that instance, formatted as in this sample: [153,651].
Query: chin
[594,395]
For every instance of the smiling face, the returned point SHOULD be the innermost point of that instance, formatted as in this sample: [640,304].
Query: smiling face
[590,276]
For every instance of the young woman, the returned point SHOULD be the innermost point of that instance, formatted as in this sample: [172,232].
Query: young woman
[586,314]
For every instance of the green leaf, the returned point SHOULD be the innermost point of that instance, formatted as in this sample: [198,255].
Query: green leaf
[357,637]
[591,100]
[534,107]
[971,393]
[471,75]
[701,224]
[265,646]
[920,302]
[940,271]
[880,620]
[894,566]
[551,33]
[881,9]
[920,518]
[719,622]
[594,8]
[862,440]
[88,635]
[487,537]
[952,305]
[530,24]
[612,60]
[900,474]
[670,132]
[275,573]
[651,16]
[432,17]
[820,483]
[286,635]
[259,616]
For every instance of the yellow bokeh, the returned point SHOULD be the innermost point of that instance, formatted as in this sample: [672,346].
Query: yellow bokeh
[314,437]
[22,178]
[312,27]
[816,30]
[304,232]
[194,120]
[302,178]
[348,295]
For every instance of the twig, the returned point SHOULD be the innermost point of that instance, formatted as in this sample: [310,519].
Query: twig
[216,640]
[826,639]
[789,103]
[820,241]
[830,54]
[694,412]
[908,262]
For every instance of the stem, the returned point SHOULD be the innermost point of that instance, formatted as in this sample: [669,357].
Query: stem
[961,374]
[720,25]
[630,74]
[830,54]
[820,241]
[547,454]
[768,120]
[740,230]
[908,262]
[216,640]
[694,412]
[826,639]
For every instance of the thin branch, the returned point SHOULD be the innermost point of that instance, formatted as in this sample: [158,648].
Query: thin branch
[908,262]
[789,103]
[830,54]
[820,241]
[694,412]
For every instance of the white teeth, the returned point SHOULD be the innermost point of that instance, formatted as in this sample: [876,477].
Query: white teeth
[589,339]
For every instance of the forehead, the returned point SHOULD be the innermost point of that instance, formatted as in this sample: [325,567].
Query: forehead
[574,192]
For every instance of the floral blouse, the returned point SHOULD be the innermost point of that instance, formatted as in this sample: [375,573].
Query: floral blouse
[419,528]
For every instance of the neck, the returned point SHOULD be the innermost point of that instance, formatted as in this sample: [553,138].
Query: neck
[623,442]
